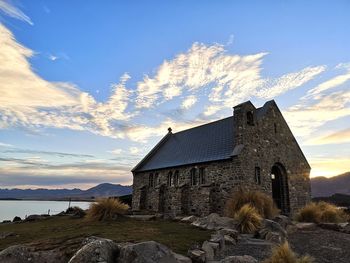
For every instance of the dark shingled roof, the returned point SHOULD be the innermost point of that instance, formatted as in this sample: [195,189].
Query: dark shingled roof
[209,142]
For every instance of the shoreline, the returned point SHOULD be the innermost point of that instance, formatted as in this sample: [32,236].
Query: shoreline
[38,199]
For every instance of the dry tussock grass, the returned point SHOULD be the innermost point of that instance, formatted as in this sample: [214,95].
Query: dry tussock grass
[248,219]
[263,203]
[321,212]
[106,209]
[283,254]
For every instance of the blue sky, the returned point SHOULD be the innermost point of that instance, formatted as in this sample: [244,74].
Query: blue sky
[88,87]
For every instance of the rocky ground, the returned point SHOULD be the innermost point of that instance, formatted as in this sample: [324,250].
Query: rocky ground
[224,244]
[326,246]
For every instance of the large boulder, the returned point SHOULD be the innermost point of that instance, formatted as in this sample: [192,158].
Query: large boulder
[214,221]
[149,252]
[239,259]
[96,250]
[23,254]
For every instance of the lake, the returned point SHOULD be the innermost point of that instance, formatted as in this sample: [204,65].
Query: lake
[22,208]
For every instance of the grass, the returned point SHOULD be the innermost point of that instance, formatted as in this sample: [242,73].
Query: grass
[321,212]
[263,203]
[283,254]
[248,219]
[106,209]
[67,233]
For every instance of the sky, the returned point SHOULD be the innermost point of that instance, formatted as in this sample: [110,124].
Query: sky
[87,88]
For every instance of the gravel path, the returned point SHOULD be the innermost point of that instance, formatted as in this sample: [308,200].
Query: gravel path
[326,246]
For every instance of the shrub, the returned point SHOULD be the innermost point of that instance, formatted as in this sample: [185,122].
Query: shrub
[321,212]
[248,219]
[106,209]
[309,213]
[76,211]
[283,254]
[263,203]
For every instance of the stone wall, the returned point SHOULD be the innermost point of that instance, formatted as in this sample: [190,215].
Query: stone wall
[266,143]
[269,141]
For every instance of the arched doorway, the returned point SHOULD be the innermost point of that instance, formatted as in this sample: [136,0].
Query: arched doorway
[280,190]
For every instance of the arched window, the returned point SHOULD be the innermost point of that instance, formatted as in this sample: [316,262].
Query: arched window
[193,176]
[156,179]
[202,175]
[170,178]
[176,177]
[257,175]
[151,180]
[250,118]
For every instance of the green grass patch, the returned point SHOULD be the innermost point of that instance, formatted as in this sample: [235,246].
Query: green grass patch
[67,233]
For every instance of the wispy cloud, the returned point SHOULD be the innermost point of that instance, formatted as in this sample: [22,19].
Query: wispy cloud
[30,102]
[59,154]
[274,87]
[5,145]
[188,102]
[336,137]
[11,10]
[38,172]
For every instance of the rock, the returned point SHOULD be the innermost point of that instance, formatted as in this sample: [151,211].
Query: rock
[182,259]
[4,235]
[212,250]
[229,232]
[345,228]
[209,250]
[22,254]
[214,221]
[306,226]
[16,219]
[149,252]
[197,255]
[218,238]
[239,259]
[189,219]
[229,240]
[96,250]
[272,231]
[284,221]
[341,227]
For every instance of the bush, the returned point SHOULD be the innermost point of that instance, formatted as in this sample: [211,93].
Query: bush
[283,254]
[76,211]
[248,219]
[321,212]
[106,209]
[263,203]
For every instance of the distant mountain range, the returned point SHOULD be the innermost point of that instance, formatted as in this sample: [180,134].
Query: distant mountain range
[322,186]
[101,190]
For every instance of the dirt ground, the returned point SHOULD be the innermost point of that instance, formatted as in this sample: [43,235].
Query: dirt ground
[325,246]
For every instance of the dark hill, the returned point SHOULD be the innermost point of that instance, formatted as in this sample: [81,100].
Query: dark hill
[101,190]
[322,186]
